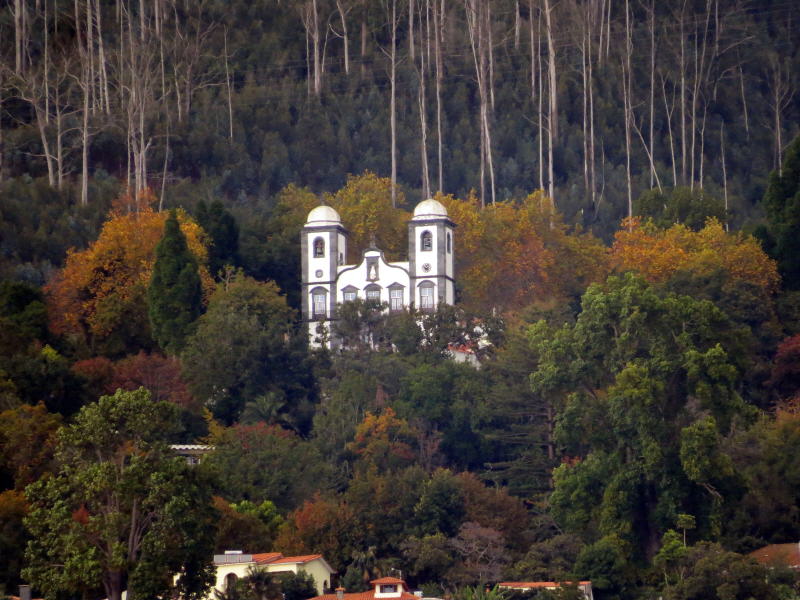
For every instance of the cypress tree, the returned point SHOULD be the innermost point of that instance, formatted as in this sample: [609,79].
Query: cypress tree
[175,293]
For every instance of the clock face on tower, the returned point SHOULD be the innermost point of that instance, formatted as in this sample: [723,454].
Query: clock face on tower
[426,267]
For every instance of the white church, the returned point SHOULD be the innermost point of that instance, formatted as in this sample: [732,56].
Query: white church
[423,282]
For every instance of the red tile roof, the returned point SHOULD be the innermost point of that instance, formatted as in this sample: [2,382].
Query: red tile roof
[266,557]
[297,559]
[779,554]
[369,595]
[537,584]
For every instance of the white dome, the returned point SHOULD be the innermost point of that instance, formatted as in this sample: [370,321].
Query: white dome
[323,215]
[430,209]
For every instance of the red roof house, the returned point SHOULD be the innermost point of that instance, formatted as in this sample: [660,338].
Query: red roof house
[786,555]
[385,588]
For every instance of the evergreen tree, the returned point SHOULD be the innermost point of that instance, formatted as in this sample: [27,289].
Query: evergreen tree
[175,294]
[223,230]
[782,204]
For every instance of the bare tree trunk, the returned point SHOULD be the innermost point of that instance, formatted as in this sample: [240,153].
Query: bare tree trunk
[19,37]
[592,179]
[702,145]
[477,23]
[393,101]
[541,102]
[345,39]
[668,112]
[310,17]
[517,24]
[652,88]
[411,50]
[585,111]
[744,102]
[364,35]
[104,96]
[626,97]
[85,141]
[228,84]
[724,172]
[551,68]
[682,69]
[490,53]
[438,14]
[423,107]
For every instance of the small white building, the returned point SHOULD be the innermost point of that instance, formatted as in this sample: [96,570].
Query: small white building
[235,565]
[385,588]
[423,282]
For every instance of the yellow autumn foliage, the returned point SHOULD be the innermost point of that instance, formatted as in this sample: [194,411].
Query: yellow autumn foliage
[659,253]
[103,288]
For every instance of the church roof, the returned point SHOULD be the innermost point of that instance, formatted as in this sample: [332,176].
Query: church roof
[430,209]
[323,215]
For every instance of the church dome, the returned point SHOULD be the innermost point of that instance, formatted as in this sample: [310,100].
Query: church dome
[430,209]
[323,215]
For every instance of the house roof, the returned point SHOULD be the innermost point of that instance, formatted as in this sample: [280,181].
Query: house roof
[368,595]
[266,557]
[524,585]
[778,554]
[297,559]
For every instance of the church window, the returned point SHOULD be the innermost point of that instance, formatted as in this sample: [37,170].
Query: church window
[426,295]
[319,248]
[319,303]
[373,293]
[349,296]
[449,242]
[426,241]
[396,299]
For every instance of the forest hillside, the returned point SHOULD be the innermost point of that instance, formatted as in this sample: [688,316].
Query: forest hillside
[625,181]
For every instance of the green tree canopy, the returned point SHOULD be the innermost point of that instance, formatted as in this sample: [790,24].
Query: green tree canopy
[244,347]
[122,511]
[221,227]
[644,390]
[782,204]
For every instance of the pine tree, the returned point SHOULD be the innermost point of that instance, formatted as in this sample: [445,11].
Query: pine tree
[175,293]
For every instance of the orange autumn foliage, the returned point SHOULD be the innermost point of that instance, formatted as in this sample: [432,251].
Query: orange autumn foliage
[321,526]
[658,254]
[103,288]
[510,254]
[365,206]
[383,440]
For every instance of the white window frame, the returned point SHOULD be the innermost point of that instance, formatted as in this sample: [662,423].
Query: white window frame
[396,299]
[426,297]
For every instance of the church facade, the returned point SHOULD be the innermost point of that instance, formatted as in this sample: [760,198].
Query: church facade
[423,282]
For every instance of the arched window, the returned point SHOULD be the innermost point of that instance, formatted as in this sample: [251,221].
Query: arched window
[448,243]
[319,303]
[426,290]
[230,582]
[319,248]
[426,241]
